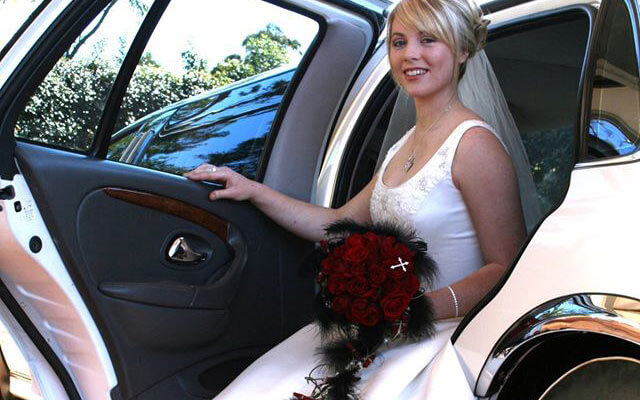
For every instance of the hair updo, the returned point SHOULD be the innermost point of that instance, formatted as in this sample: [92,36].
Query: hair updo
[457,23]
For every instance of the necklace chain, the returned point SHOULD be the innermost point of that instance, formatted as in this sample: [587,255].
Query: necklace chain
[412,157]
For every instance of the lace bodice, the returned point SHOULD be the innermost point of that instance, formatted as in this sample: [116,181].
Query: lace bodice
[432,205]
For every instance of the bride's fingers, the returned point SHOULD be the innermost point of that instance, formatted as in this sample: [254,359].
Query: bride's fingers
[202,167]
[205,172]
[218,194]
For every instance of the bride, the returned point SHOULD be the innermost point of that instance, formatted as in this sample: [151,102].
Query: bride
[450,178]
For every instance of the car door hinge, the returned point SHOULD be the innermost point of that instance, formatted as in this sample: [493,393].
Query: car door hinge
[7,153]
[7,193]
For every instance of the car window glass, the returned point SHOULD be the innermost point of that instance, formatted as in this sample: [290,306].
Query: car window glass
[615,102]
[539,67]
[209,90]
[13,13]
[66,107]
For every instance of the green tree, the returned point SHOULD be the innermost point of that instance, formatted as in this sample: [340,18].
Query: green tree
[266,49]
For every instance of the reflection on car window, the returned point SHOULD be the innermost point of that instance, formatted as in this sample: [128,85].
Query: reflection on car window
[222,100]
[607,139]
[227,127]
[614,127]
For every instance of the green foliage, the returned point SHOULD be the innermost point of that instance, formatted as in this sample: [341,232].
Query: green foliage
[550,154]
[66,107]
[266,49]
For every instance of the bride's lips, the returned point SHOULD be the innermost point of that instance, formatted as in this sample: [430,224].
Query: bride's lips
[414,73]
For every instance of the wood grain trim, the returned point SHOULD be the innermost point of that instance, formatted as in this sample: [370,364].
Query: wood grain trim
[174,207]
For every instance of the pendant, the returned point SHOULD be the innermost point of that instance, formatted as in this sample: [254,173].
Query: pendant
[409,163]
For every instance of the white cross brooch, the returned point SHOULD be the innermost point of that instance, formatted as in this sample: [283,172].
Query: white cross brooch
[401,264]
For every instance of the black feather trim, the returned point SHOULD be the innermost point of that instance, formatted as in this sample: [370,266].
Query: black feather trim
[324,318]
[342,386]
[421,320]
[336,354]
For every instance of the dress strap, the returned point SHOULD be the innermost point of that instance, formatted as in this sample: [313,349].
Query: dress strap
[454,138]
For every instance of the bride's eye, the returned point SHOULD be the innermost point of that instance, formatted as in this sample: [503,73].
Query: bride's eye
[427,40]
[398,43]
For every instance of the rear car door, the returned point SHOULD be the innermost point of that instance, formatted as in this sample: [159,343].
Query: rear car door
[129,281]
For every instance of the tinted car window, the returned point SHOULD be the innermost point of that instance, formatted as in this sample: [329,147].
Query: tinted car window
[614,125]
[224,127]
[539,65]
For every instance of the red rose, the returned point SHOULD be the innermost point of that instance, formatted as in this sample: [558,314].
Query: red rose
[356,250]
[411,284]
[336,285]
[359,309]
[359,269]
[371,294]
[357,286]
[372,317]
[328,265]
[394,305]
[372,238]
[389,286]
[386,246]
[377,276]
[355,240]
[340,303]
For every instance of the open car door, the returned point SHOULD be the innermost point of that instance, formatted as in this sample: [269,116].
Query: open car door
[127,279]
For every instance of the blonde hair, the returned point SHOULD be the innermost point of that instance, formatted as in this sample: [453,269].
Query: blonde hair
[457,23]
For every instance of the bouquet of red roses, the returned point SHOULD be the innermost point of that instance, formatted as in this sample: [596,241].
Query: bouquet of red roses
[370,280]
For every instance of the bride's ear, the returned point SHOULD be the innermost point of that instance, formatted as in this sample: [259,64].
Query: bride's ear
[462,58]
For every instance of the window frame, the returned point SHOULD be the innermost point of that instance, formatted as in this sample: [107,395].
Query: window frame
[16,35]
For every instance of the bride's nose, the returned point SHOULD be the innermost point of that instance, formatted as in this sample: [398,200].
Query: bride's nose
[411,52]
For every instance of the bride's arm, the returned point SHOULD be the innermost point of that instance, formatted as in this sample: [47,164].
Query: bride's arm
[303,219]
[483,173]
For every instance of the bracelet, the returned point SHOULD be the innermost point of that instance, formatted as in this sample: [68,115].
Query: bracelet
[455,301]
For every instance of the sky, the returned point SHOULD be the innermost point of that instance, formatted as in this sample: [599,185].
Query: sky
[213,29]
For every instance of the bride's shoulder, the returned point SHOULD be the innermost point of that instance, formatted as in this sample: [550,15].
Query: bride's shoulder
[475,132]
[479,146]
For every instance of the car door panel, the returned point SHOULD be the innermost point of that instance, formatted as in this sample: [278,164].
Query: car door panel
[116,222]
[170,331]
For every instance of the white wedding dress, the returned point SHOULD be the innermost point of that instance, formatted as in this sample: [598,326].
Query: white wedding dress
[430,203]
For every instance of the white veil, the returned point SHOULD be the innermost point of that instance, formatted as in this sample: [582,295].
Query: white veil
[479,91]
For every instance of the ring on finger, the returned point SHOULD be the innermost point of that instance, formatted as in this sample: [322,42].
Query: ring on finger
[212,169]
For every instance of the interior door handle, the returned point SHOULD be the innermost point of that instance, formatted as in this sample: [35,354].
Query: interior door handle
[181,253]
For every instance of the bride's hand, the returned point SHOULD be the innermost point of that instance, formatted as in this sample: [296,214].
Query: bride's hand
[236,186]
